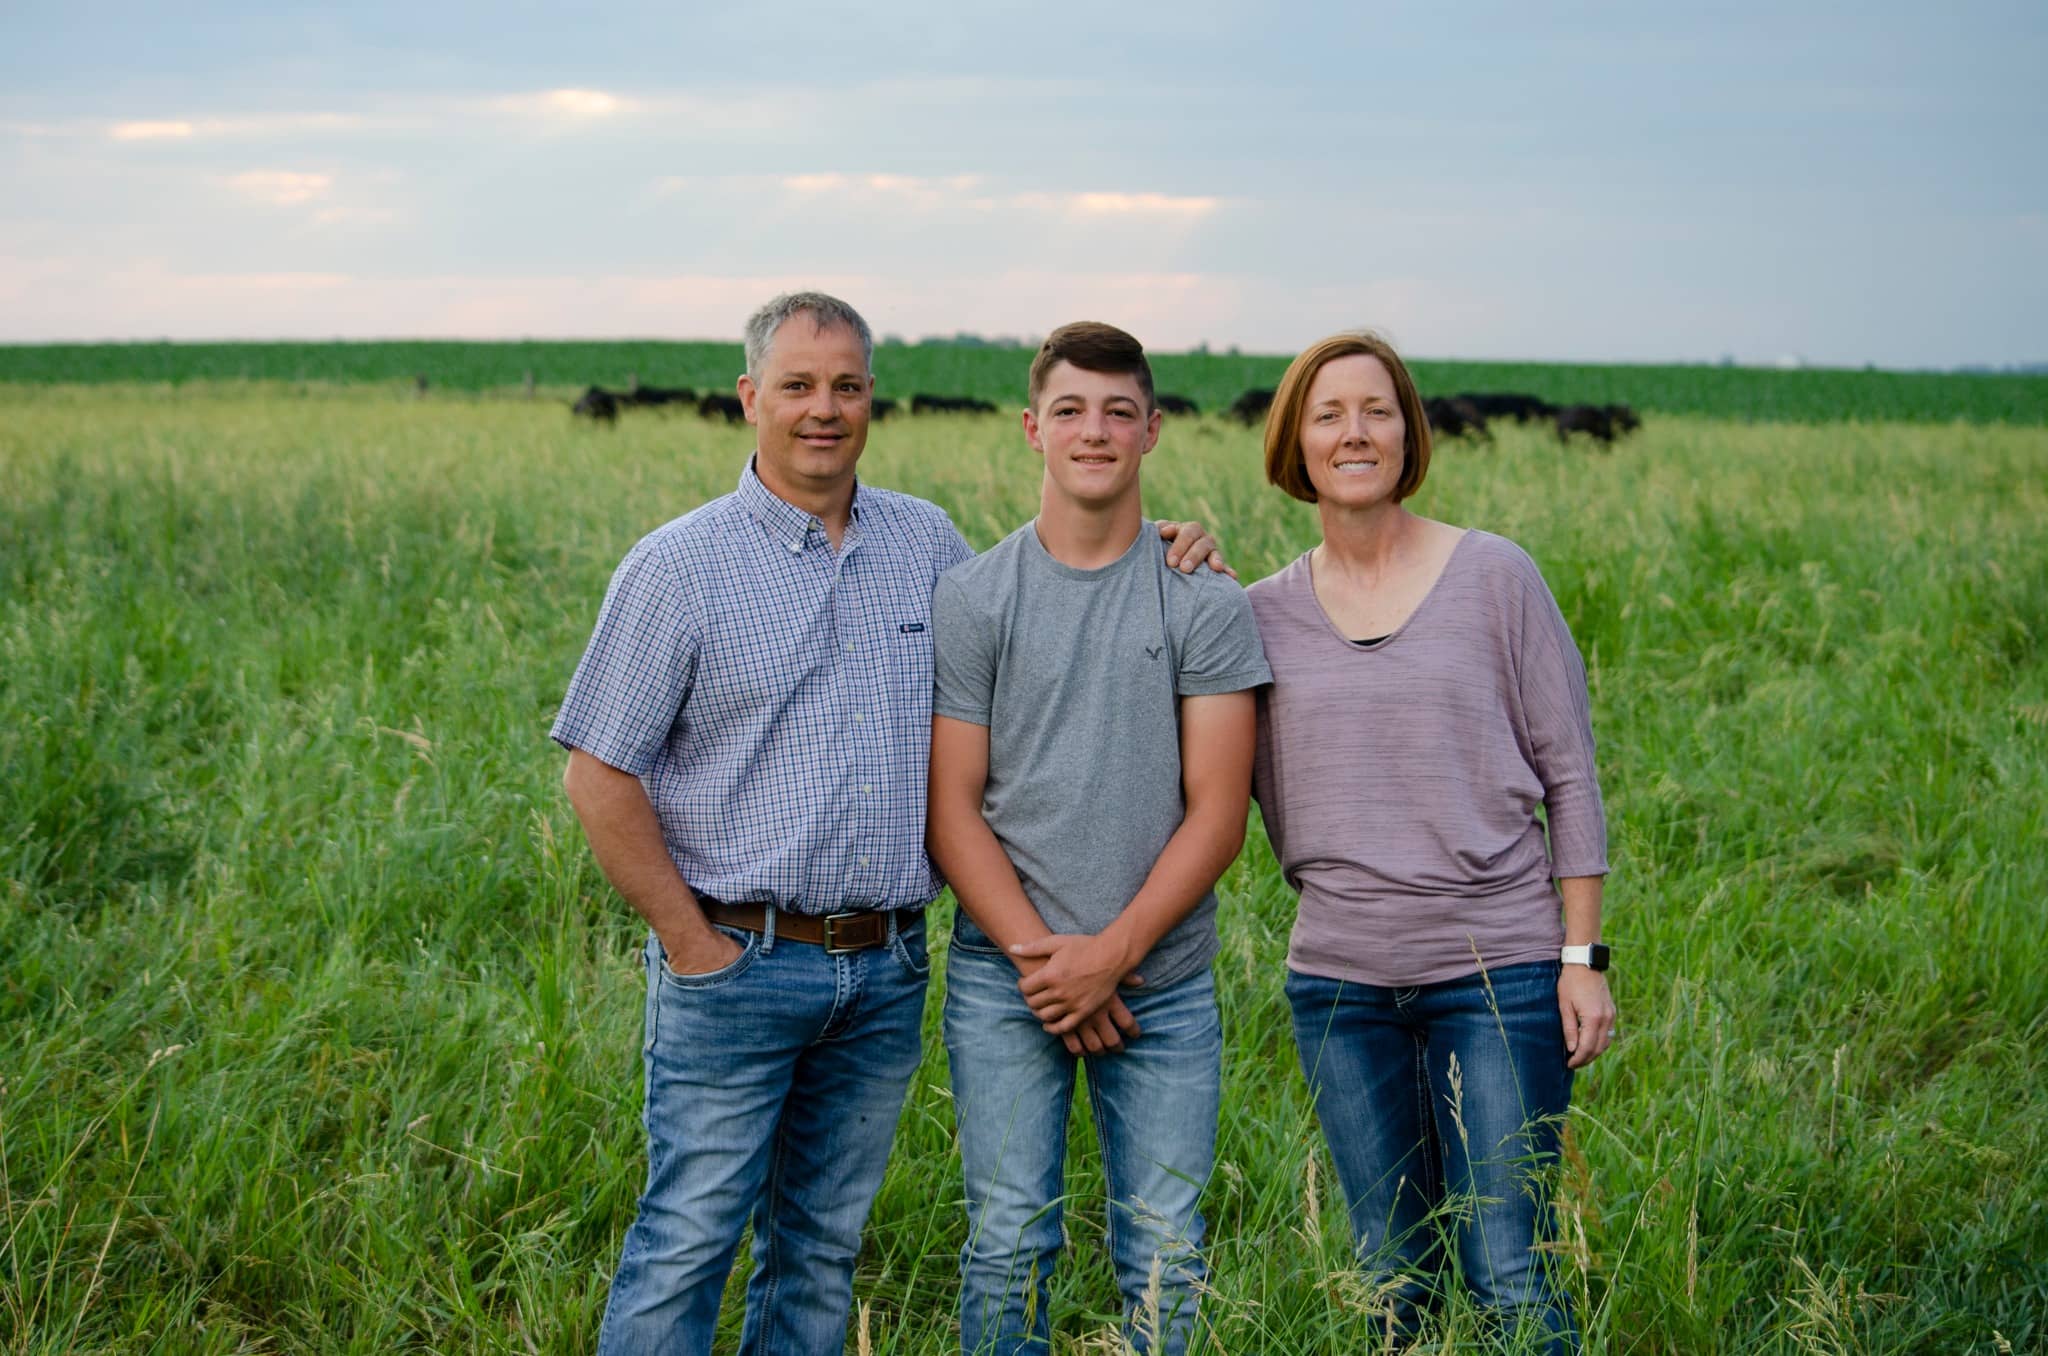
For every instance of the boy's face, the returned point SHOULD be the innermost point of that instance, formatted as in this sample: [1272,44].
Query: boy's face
[1093,428]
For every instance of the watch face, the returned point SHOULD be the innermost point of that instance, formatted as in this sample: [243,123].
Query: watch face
[1599,957]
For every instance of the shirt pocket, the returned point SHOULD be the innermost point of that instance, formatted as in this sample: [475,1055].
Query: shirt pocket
[909,645]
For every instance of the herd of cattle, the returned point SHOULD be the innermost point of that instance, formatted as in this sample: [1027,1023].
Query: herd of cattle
[600,405]
[1466,415]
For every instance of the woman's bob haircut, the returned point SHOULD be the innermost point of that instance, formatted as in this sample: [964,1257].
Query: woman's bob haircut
[1284,466]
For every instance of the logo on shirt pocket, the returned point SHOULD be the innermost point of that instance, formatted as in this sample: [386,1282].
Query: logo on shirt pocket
[911,628]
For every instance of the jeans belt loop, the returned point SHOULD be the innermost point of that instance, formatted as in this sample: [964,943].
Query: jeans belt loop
[768,930]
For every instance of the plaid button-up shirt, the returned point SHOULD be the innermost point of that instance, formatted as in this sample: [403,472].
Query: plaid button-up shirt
[775,697]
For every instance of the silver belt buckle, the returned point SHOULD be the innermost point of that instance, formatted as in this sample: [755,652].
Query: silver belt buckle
[832,946]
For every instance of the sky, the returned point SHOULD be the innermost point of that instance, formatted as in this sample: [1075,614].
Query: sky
[1834,184]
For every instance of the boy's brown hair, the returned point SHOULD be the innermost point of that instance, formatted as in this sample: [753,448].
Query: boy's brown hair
[1093,347]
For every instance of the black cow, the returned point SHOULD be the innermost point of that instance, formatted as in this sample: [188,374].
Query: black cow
[654,396]
[1455,417]
[882,408]
[1592,420]
[714,406]
[1251,407]
[936,404]
[597,404]
[1509,405]
[1176,404]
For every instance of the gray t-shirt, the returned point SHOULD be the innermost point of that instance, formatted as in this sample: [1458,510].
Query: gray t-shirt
[1076,675]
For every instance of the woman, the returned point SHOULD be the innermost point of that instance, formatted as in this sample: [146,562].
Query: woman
[1427,698]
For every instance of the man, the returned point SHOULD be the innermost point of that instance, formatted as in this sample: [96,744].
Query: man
[748,733]
[1092,740]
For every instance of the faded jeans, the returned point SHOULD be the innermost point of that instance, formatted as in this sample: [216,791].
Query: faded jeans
[1443,1102]
[773,1088]
[1155,1108]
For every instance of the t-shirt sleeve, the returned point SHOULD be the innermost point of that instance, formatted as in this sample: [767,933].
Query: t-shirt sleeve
[636,672]
[963,656]
[1559,716]
[1220,651]
[952,547]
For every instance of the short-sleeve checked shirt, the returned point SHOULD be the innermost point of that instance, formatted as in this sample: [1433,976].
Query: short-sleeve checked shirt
[775,696]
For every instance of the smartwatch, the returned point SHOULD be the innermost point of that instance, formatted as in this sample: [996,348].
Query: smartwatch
[1594,956]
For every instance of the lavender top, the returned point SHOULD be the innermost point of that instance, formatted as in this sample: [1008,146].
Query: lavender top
[1399,781]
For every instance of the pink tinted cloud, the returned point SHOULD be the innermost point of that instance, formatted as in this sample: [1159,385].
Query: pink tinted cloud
[83,298]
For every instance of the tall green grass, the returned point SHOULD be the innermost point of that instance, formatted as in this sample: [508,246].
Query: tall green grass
[319,1030]
[563,367]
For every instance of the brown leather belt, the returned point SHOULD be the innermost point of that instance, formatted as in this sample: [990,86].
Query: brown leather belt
[836,932]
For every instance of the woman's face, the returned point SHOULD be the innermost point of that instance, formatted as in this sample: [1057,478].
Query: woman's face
[1353,438]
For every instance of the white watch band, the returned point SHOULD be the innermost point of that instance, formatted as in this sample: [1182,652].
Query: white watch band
[1576,955]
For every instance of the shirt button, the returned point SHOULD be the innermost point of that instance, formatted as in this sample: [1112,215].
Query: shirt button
[863,861]
[849,647]
[859,717]
[867,790]
[796,546]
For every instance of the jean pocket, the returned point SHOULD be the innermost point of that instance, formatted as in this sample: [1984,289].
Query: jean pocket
[750,946]
[909,948]
[968,937]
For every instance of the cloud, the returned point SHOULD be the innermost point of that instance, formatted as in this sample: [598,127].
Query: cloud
[895,192]
[563,105]
[1098,206]
[357,216]
[150,131]
[321,196]
[83,297]
[966,193]
[281,188]
[250,126]
[1139,205]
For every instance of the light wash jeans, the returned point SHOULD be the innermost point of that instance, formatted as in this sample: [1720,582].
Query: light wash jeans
[1410,1138]
[773,1088]
[1155,1109]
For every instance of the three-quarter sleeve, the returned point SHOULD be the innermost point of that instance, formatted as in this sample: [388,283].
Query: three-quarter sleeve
[1559,720]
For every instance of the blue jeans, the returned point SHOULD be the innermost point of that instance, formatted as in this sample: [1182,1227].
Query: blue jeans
[1155,1111]
[1441,1105]
[773,1087]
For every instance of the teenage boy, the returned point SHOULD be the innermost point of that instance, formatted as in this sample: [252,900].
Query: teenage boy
[1092,736]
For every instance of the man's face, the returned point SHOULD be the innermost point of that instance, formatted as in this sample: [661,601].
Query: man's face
[810,408]
[1093,428]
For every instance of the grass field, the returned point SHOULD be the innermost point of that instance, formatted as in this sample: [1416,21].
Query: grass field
[1213,380]
[319,1029]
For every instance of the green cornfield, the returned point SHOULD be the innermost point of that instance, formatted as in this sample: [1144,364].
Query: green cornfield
[319,1029]
[560,368]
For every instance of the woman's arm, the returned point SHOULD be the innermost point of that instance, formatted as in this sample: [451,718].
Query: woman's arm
[1582,997]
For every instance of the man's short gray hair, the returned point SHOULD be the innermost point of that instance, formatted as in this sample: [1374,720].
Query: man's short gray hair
[826,312]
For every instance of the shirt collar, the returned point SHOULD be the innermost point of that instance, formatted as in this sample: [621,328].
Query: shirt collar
[782,520]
